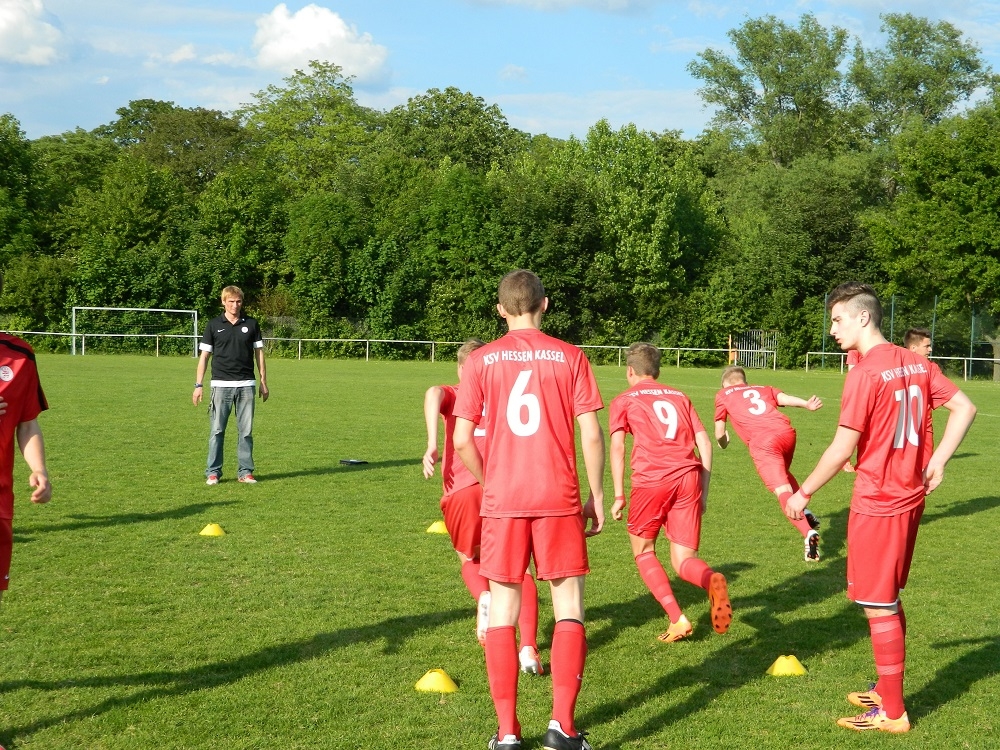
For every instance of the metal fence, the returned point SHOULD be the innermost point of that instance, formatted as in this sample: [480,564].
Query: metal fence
[949,365]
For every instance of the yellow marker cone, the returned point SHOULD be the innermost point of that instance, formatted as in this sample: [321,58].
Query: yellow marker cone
[436,681]
[437,527]
[786,666]
[213,529]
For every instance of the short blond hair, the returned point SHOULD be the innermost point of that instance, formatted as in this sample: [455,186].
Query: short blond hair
[733,375]
[521,292]
[231,292]
[468,348]
[644,359]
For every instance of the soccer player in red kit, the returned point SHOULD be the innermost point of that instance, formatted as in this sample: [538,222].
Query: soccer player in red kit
[21,401]
[669,486]
[532,387]
[769,436]
[460,506]
[886,404]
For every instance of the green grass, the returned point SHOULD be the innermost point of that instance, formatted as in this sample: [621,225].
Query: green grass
[307,625]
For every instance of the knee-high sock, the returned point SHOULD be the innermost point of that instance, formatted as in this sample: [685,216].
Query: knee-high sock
[474,582]
[655,578]
[802,524]
[695,571]
[527,621]
[889,645]
[569,652]
[501,668]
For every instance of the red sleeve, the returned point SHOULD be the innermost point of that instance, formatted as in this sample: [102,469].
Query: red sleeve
[33,402]
[941,389]
[720,408]
[617,418]
[448,401]
[470,399]
[586,395]
[857,400]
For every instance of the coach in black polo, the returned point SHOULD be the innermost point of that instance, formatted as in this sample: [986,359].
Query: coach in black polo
[232,341]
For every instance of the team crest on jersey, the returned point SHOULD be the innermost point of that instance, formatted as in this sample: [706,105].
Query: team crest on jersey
[6,374]
[245,329]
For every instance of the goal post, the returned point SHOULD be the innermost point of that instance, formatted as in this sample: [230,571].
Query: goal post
[133,322]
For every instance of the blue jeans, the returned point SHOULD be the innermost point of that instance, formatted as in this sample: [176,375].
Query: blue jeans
[220,404]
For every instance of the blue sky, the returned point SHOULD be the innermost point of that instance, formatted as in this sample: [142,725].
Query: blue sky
[553,66]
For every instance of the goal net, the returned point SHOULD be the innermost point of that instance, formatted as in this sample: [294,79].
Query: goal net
[144,330]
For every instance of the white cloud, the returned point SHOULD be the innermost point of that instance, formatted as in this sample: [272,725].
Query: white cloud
[101,80]
[561,115]
[285,41]
[25,36]
[182,54]
[513,73]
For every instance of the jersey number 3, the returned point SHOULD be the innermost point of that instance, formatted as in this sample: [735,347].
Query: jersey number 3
[758,406]
[521,404]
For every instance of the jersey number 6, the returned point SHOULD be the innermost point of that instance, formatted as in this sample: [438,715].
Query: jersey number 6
[519,402]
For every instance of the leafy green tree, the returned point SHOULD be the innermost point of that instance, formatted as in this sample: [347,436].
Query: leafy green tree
[16,167]
[925,69]
[35,290]
[784,90]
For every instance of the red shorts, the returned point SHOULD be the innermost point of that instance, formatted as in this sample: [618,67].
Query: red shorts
[879,552]
[674,505]
[6,547]
[461,516]
[772,456]
[556,543]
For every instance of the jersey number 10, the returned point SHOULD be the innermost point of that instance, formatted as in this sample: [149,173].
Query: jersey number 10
[910,410]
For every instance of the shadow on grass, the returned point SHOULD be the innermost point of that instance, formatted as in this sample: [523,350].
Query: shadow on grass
[964,508]
[394,632]
[341,469]
[956,678]
[78,522]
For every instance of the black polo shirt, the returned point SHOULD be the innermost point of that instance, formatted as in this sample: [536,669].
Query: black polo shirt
[232,347]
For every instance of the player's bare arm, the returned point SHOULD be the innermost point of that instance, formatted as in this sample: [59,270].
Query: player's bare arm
[3,407]
[961,413]
[465,447]
[721,434]
[812,403]
[704,444]
[618,472]
[264,392]
[29,440]
[199,378]
[433,399]
[845,441]
[592,441]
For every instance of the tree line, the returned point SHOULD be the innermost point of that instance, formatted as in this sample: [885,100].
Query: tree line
[826,161]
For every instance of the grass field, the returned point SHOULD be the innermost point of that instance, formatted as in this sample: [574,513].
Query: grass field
[307,625]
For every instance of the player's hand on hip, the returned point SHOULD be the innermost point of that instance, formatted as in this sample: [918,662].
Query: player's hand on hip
[430,458]
[933,475]
[594,510]
[617,508]
[43,488]
[795,505]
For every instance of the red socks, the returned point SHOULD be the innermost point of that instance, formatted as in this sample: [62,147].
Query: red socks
[695,571]
[802,524]
[655,578]
[569,652]
[474,582]
[527,621]
[502,668]
[889,645]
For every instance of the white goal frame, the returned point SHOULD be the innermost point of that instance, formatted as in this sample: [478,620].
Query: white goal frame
[193,313]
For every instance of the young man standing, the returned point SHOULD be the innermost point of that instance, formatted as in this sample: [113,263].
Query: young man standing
[532,386]
[918,341]
[769,436]
[884,412]
[460,506]
[232,341]
[669,487]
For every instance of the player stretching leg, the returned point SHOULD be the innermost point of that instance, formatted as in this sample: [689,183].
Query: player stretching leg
[884,413]
[770,438]
[533,387]
[460,505]
[669,486]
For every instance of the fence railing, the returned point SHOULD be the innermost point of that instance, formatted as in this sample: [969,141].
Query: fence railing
[966,361]
[726,355]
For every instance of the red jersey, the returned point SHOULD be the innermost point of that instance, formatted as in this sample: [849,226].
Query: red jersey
[454,474]
[853,357]
[532,386]
[753,410]
[888,398]
[20,388]
[663,424]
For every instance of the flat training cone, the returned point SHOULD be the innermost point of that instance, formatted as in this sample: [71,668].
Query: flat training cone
[786,666]
[436,681]
[437,527]
[213,529]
